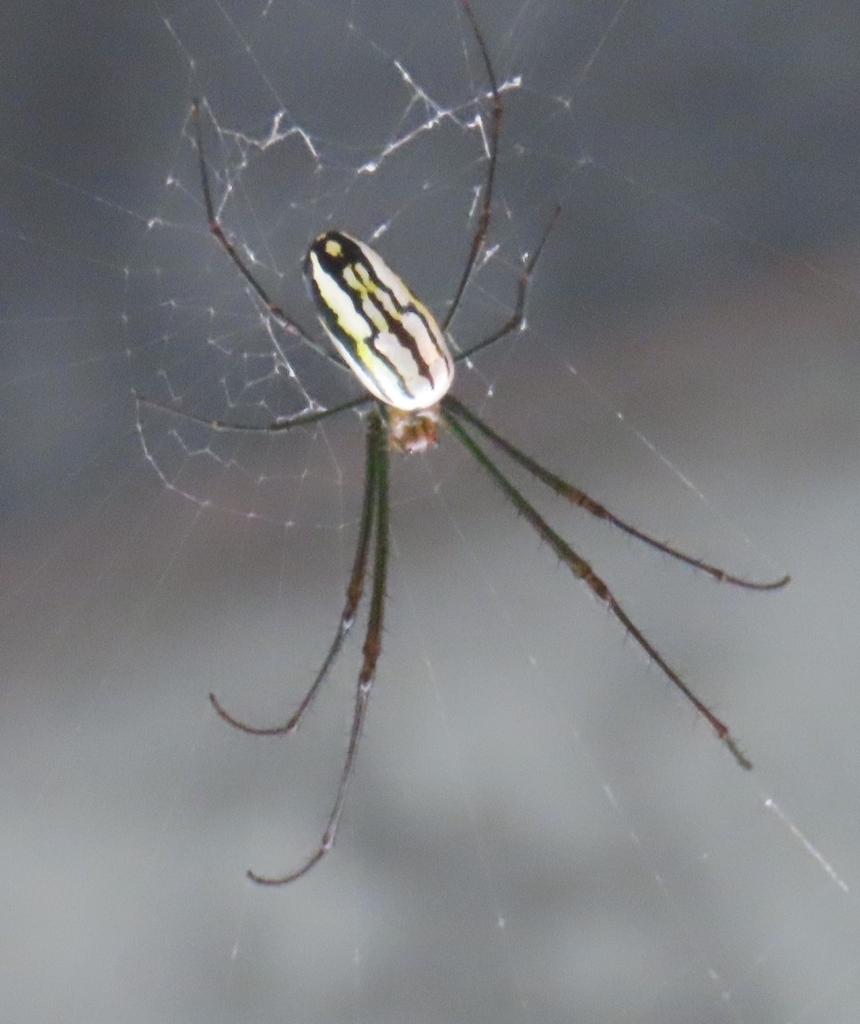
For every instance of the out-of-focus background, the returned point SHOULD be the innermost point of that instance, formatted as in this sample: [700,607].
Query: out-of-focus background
[539,829]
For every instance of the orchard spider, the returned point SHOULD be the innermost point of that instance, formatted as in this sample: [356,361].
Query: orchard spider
[399,353]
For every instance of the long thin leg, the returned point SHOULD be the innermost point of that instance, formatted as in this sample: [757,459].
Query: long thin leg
[582,570]
[516,317]
[292,325]
[378,463]
[354,590]
[493,148]
[302,420]
[584,501]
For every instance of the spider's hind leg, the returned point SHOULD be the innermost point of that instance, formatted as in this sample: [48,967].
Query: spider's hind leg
[452,410]
[377,486]
[354,591]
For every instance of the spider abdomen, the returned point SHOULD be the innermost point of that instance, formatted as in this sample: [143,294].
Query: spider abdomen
[386,336]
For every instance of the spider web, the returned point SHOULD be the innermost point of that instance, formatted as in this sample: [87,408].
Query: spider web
[538,829]
[387,145]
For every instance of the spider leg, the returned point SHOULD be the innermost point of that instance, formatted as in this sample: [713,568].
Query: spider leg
[584,501]
[378,469]
[518,314]
[354,591]
[278,426]
[582,570]
[480,236]
[288,322]
[493,149]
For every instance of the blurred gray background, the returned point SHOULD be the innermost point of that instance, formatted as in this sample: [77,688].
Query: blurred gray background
[539,829]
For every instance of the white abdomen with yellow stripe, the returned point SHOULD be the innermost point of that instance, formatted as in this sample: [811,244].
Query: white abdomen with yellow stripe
[385,335]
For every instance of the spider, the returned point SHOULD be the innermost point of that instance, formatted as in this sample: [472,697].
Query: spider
[399,353]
